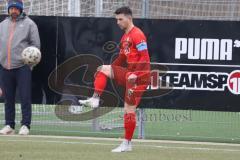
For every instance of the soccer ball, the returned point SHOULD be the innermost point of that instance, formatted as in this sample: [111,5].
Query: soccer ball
[31,55]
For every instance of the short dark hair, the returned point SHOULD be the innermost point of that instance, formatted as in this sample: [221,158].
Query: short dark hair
[124,10]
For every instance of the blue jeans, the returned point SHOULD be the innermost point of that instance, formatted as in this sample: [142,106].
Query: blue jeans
[19,78]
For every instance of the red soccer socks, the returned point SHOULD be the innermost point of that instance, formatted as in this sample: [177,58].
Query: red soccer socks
[129,125]
[100,82]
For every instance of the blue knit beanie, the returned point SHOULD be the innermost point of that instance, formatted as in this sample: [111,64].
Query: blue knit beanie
[15,3]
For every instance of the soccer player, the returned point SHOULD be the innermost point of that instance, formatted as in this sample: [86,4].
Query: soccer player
[131,69]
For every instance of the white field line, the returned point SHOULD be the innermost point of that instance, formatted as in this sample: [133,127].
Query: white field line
[118,139]
[139,145]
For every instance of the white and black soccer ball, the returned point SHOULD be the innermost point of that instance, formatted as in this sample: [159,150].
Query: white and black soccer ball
[31,55]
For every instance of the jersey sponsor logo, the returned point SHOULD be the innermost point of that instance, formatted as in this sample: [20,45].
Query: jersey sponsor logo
[125,46]
[205,49]
[141,46]
[204,81]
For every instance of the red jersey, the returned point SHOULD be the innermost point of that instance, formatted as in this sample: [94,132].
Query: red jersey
[134,53]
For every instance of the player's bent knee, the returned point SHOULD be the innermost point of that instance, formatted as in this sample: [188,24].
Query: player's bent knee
[106,69]
[99,68]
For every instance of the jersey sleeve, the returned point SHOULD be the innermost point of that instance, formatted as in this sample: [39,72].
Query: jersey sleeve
[142,67]
[140,42]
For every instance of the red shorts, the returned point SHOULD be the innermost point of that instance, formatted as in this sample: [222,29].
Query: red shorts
[133,92]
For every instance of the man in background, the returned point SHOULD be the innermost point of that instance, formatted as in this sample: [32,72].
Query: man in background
[17,32]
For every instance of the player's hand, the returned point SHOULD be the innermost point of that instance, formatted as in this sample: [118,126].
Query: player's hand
[132,78]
